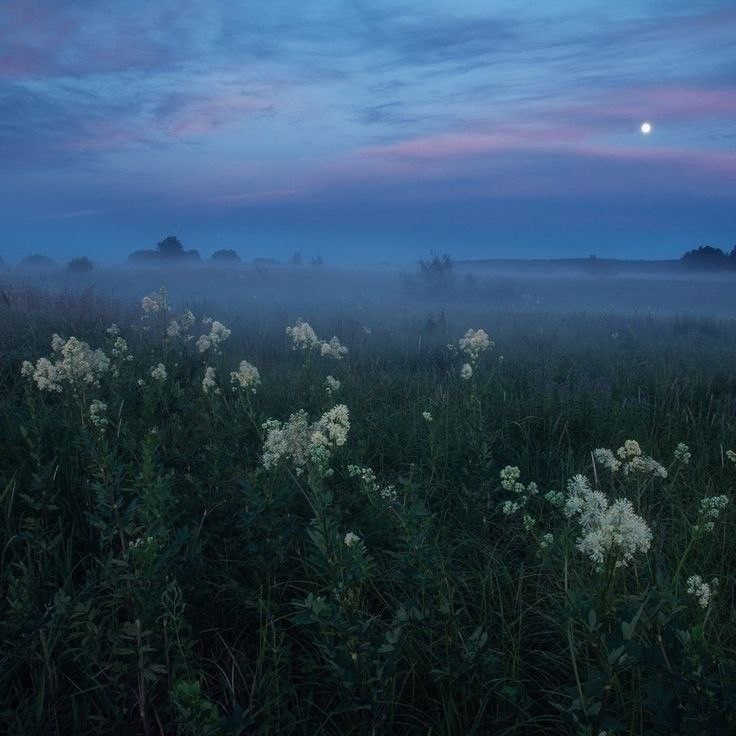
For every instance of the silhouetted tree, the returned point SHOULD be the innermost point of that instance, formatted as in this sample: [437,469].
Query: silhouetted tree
[732,256]
[706,257]
[317,261]
[170,247]
[438,272]
[82,264]
[296,259]
[37,260]
[225,256]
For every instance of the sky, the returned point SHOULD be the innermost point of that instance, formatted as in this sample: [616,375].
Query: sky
[367,131]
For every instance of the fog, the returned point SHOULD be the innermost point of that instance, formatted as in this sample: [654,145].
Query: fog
[382,293]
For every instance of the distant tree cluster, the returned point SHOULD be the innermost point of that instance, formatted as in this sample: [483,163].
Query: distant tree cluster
[708,257]
[82,264]
[226,255]
[169,250]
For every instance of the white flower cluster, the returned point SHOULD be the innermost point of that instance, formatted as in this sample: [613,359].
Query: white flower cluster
[427,416]
[682,453]
[629,457]
[74,362]
[607,459]
[710,510]
[731,455]
[351,539]
[155,303]
[246,377]
[606,529]
[303,337]
[332,386]
[701,590]
[158,373]
[474,343]
[466,372]
[510,482]
[333,349]
[208,382]
[98,414]
[370,483]
[298,441]
[181,327]
[217,335]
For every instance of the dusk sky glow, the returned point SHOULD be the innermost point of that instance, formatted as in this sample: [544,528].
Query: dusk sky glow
[367,131]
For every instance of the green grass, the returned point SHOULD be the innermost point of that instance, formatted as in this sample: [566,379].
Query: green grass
[247,613]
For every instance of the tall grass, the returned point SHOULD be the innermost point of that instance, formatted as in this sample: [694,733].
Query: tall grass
[156,578]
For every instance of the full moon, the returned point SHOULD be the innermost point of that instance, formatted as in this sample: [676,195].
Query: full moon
[646,128]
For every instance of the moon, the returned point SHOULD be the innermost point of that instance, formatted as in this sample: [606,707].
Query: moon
[646,128]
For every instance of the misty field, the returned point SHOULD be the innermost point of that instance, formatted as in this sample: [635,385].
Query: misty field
[378,520]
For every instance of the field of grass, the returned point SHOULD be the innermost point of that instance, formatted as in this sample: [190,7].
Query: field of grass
[433,547]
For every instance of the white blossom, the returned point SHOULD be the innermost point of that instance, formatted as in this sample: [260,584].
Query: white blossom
[208,382]
[474,343]
[466,372]
[351,539]
[682,453]
[697,587]
[246,377]
[98,414]
[158,372]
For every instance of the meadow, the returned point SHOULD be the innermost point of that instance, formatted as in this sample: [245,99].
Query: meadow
[402,515]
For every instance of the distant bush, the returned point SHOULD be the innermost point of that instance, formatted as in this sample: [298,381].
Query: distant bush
[708,257]
[438,272]
[169,250]
[38,261]
[225,256]
[82,264]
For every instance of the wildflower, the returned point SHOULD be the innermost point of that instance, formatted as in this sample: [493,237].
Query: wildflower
[546,541]
[333,349]
[113,330]
[731,455]
[371,485]
[159,373]
[155,303]
[529,522]
[629,450]
[75,363]
[332,385]
[509,476]
[710,510]
[509,508]
[217,335]
[606,529]
[351,539]
[474,343]
[697,587]
[427,416]
[209,382]
[98,414]
[556,498]
[246,377]
[466,372]
[645,465]
[607,459]
[297,440]
[303,337]
[173,329]
[682,453]
[120,348]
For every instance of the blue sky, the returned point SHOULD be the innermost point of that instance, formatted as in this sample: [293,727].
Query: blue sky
[367,131]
